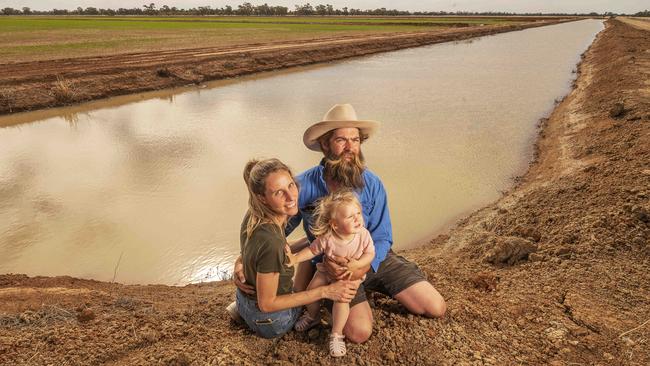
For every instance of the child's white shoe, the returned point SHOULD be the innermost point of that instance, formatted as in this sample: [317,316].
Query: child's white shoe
[337,345]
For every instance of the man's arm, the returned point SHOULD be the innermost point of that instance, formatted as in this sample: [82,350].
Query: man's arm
[379,223]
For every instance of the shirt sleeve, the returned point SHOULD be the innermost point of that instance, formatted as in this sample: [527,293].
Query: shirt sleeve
[379,223]
[367,243]
[317,246]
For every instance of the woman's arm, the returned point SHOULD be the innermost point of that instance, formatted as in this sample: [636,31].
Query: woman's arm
[268,300]
[298,245]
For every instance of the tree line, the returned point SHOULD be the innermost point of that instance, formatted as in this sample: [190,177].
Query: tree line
[248,9]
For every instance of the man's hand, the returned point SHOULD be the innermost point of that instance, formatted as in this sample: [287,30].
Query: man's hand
[335,267]
[240,279]
[355,270]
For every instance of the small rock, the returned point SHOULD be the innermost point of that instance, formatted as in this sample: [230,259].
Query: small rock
[617,110]
[85,315]
[477,355]
[390,356]
[608,356]
[313,333]
[628,342]
[521,322]
[509,249]
[485,281]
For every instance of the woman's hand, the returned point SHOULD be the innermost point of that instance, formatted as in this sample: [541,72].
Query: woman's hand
[341,291]
[240,279]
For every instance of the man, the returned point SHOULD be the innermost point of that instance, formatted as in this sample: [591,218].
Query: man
[339,136]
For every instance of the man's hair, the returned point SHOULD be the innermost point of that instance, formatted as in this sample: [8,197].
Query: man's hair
[324,140]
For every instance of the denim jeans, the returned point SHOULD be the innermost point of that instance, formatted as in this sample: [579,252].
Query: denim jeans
[266,325]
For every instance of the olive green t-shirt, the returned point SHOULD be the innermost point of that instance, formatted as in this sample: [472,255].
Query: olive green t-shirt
[263,252]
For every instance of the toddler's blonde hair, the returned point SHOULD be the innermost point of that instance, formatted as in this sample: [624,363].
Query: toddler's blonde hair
[326,209]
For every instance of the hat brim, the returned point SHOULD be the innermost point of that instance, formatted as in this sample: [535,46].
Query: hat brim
[313,133]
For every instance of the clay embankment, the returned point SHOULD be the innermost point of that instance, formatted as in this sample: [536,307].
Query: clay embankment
[556,272]
[42,84]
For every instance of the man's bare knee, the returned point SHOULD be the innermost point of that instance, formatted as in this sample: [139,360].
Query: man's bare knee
[436,309]
[358,334]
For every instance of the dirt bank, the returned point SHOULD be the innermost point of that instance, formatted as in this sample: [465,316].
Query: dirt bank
[42,84]
[556,272]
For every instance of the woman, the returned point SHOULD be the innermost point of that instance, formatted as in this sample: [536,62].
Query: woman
[273,308]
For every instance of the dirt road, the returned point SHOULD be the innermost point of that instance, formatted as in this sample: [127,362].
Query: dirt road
[556,272]
[42,84]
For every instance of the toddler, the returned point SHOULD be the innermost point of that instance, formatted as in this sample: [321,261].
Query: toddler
[339,228]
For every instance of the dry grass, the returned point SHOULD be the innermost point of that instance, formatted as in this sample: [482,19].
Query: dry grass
[48,314]
[63,91]
[7,100]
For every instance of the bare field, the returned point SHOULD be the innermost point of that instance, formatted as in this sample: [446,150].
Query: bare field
[98,58]
[24,38]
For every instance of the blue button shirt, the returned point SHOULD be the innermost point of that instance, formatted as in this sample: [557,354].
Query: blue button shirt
[373,201]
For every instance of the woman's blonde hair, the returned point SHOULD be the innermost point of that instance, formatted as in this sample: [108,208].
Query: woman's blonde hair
[326,209]
[255,174]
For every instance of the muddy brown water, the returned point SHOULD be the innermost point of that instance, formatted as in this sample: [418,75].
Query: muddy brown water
[148,188]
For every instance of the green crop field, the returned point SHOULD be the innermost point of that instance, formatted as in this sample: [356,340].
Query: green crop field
[28,38]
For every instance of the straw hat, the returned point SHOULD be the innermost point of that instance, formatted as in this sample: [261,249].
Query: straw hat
[339,116]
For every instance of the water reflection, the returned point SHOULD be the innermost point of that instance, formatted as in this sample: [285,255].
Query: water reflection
[153,187]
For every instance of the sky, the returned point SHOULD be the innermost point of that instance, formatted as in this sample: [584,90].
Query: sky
[517,6]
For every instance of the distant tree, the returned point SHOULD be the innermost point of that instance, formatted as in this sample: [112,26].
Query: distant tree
[91,11]
[204,10]
[245,9]
[645,13]
[280,10]
[10,11]
[305,9]
[263,9]
[150,9]
[27,10]
[227,10]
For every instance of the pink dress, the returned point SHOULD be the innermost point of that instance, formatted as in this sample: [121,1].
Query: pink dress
[354,249]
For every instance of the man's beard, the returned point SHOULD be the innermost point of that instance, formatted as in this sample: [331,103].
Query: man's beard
[347,173]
